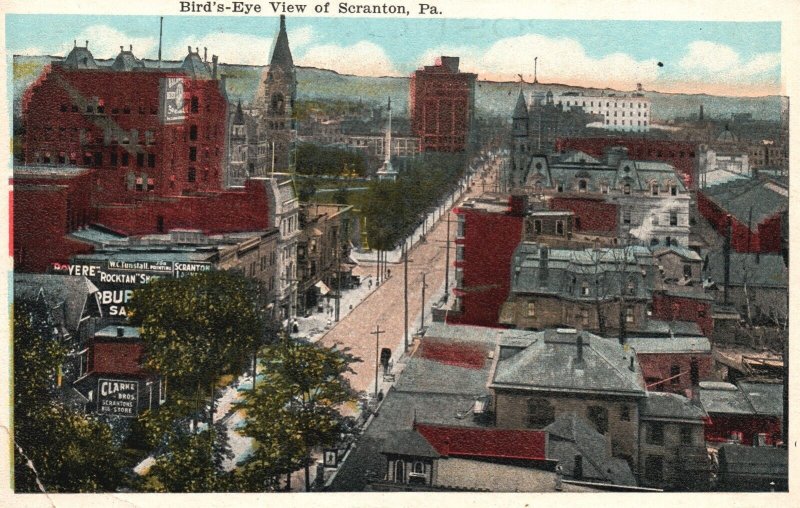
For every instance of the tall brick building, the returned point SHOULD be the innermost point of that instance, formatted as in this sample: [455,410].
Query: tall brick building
[442,106]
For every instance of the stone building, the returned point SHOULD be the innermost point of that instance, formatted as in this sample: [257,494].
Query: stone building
[538,377]
[276,116]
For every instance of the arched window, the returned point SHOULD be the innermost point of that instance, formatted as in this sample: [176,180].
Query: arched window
[419,467]
[276,104]
[582,186]
[399,471]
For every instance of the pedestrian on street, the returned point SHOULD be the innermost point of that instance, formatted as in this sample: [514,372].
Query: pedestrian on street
[370,284]
[388,272]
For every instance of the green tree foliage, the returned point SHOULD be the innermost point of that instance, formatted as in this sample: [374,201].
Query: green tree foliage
[295,409]
[197,328]
[326,161]
[193,463]
[394,209]
[70,452]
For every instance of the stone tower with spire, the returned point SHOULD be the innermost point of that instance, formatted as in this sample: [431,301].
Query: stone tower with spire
[279,93]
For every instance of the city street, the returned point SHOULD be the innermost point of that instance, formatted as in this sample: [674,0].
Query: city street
[383,307]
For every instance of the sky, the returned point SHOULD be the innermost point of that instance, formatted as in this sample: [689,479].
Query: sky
[724,58]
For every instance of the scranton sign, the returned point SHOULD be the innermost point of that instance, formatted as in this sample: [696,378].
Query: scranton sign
[117,280]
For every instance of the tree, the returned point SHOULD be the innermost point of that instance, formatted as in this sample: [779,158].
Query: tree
[197,328]
[56,449]
[295,409]
[193,463]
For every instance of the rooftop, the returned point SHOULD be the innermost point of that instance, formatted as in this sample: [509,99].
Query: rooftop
[670,406]
[648,345]
[487,443]
[551,363]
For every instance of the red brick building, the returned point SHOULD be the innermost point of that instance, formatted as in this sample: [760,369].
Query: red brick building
[134,147]
[677,305]
[758,211]
[592,215]
[673,364]
[680,154]
[442,105]
[487,235]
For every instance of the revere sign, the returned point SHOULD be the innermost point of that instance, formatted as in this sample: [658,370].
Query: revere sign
[118,397]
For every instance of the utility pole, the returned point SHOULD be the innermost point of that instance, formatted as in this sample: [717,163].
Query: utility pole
[405,295]
[377,333]
[422,314]
[447,262]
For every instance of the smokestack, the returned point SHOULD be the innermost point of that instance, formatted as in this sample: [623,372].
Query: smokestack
[205,54]
[87,44]
[160,32]
[189,49]
[701,112]
[131,48]
[214,59]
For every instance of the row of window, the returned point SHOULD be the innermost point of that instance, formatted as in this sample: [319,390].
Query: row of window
[616,104]
[98,106]
[639,123]
[630,314]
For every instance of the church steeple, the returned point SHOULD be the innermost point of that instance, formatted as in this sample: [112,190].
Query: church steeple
[281,54]
[520,116]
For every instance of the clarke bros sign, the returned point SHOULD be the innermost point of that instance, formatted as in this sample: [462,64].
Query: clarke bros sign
[172,104]
[117,397]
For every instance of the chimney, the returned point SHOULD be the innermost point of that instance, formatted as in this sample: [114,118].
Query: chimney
[205,54]
[579,343]
[189,49]
[75,43]
[214,59]
[631,366]
[701,112]
[131,47]
[120,331]
[121,49]
[87,44]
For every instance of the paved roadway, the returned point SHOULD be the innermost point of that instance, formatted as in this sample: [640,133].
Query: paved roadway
[384,307]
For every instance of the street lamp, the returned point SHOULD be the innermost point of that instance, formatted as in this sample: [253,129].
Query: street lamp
[377,333]
[422,314]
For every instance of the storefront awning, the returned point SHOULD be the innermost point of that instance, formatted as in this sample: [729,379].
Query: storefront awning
[323,288]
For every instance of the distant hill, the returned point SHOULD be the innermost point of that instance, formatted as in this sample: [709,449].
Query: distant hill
[492,98]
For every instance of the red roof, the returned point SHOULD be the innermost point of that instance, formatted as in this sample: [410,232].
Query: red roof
[452,353]
[493,443]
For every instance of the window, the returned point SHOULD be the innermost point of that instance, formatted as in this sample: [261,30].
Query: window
[585,289]
[629,315]
[140,159]
[654,189]
[541,413]
[585,317]
[686,435]
[655,433]
[577,471]
[125,157]
[626,189]
[531,309]
[625,413]
[459,252]
[604,188]
[151,184]
[98,159]
[582,186]
[419,467]
[673,218]
[151,160]
[654,220]
[598,416]
[193,132]
[560,187]
[195,105]
[673,190]
[675,374]
[559,227]
[192,175]
[537,226]
[687,271]
[626,216]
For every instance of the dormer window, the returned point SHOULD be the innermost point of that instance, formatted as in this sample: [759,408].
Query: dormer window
[626,189]
[582,186]
[654,189]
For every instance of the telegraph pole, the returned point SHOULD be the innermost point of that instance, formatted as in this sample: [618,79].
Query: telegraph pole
[447,261]
[405,295]
[377,333]
[422,314]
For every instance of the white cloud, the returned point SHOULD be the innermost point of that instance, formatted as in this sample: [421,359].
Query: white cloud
[362,59]
[300,37]
[709,59]
[560,60]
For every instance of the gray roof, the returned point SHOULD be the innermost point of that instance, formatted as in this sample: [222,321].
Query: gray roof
[725,398]
[71,291]
[740,196]
[680,251]
[80,58]
[109,332]
[658,327]
[670,405]
[467,333]
[201,253]
[760,270]
[567,270]
[571,435]
[428,376]
[194,66]
[408,442]
[550,364]
[126,61]
[766,398]
[754,460]
[97,236]
[647,345]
